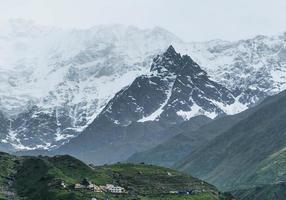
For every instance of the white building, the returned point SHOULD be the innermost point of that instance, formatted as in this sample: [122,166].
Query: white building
[94,188]
[78,186]
[63,184]
[115,189]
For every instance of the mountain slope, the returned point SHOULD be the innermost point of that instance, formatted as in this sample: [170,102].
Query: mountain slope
[188,140]
[166,154]
[234,158]
[174,149]
[265,192]
[3,125]
[253,67]
[38,178]
[176,89]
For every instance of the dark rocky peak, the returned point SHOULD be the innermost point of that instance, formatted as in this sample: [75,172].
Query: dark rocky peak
[4,125]
[171,52]
[191,68]
[171,62]
[168,62]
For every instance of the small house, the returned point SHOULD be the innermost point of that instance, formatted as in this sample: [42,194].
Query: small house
[78,186]
[63,185]
[115,189]
[94,188]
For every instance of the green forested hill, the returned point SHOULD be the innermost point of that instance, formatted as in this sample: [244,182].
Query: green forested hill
[41,178]
[250,153]
[265,192]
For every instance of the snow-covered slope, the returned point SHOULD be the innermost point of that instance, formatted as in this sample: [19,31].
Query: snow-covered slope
[37,60]
[68,76]
[72,73]
[253,68]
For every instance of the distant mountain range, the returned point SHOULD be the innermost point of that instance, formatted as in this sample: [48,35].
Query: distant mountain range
[58,81]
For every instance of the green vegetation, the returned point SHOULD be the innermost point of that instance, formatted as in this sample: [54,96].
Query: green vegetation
[176,149]
[7,165]
[264,192]
[248,154]
[41,178]
[271,170]
[166,154]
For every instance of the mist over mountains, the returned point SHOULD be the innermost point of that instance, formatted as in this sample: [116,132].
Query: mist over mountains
[61,80]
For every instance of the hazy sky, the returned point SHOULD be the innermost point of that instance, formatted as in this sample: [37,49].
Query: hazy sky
[192,20]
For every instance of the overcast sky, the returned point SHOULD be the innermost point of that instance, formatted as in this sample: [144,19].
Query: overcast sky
[192,20]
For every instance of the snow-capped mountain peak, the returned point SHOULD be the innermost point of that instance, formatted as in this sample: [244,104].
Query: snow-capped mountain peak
[168,62]
[177,89]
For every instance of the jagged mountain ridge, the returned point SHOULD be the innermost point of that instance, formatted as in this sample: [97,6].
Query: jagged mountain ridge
[135,119]
[176,88]
[84,79]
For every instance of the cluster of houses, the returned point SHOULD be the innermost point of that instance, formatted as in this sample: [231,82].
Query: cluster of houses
[85,184]
[187,192]
[88,185]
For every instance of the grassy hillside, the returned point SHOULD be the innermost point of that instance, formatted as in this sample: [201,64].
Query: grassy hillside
[266,192]
[271,170]
[170,152]
[8,164]
[166,154]
[40,178]
[249,151]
